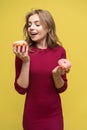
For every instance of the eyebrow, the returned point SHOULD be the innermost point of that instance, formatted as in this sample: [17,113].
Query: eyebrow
[34,21]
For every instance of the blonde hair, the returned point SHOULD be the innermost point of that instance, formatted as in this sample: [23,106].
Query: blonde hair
[46,19]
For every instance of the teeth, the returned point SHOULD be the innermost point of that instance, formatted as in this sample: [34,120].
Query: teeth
[33,34]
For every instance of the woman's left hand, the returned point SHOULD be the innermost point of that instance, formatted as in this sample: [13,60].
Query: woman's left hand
[59,70]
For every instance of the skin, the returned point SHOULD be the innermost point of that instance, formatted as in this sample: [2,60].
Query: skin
[38,34]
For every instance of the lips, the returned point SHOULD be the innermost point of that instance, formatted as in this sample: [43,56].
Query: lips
[33,34]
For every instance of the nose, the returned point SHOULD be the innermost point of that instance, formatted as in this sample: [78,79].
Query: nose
[32,27]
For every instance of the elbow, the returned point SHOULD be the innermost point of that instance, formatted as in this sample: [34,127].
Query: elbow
[19,88]
[23,84]
[62,88]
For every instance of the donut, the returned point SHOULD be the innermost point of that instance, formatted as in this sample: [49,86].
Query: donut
[64,63]
[20,44]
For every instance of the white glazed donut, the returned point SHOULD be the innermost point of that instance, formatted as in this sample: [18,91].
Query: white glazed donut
[64,63]
[20,46]
[20,43]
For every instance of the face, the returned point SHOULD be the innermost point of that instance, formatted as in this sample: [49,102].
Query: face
[36,30]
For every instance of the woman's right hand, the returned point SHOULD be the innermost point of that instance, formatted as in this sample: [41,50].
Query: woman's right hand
[20,49]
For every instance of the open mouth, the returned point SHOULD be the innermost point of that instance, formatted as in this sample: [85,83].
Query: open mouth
[33,34]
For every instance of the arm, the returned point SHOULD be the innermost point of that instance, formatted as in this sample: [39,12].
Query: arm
[21,76]
[58,81]
[59,76]
[23,79]
[22,66]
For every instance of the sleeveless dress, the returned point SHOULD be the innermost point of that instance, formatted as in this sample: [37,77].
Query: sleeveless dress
[42,109]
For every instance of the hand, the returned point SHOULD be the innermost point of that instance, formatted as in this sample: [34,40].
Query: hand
[20,49]
[64,64]
[59,70]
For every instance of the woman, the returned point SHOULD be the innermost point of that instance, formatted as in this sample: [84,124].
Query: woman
[38,73]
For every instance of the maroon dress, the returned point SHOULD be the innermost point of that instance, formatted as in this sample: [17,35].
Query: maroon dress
[43,109]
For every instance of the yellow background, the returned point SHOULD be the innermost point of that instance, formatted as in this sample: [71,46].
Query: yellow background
[71,22]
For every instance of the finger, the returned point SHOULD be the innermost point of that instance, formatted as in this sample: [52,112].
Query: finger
[26,50]
[67,70]
[23,49]
[61,70]
[18,49]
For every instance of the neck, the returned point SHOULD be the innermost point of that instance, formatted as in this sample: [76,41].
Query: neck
[41,45]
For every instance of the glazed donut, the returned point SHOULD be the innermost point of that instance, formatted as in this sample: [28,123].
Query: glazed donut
[20,44]
[64,63]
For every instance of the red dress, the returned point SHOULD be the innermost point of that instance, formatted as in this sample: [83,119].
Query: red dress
[43,109]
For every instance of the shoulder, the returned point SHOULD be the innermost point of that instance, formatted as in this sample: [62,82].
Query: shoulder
[60,48]
[60,51]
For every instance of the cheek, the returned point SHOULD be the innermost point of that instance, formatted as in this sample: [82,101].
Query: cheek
[43,31]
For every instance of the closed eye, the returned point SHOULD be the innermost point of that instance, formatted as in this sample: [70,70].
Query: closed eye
[36,23]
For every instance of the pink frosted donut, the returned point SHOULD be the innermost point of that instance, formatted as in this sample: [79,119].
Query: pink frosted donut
[64,63]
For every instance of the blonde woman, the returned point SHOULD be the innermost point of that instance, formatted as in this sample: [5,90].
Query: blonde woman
[38,74]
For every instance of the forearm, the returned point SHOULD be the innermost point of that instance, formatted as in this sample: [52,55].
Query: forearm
[58,81]
[23,79]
